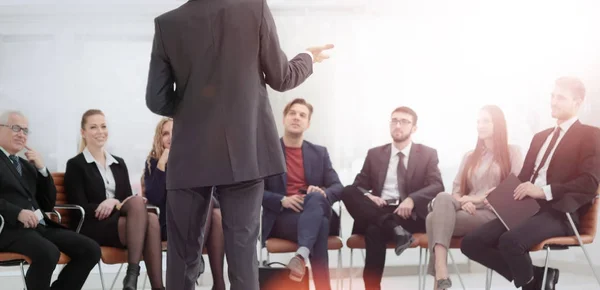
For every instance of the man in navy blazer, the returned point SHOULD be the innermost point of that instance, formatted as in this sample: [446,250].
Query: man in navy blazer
[297,205]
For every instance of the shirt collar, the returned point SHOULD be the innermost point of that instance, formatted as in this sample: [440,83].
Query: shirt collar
[90,159]
[5,152]
[567,124]
[405,151]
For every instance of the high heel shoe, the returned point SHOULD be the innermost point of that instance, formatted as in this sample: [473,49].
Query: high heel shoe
[131,277]
[444,283]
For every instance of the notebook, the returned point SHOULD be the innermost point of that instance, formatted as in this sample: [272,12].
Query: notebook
[510,211]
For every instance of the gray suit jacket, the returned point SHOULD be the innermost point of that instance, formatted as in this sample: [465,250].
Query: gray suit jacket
[210,63]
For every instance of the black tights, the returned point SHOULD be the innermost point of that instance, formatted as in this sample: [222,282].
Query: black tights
[215,246]
[139,231]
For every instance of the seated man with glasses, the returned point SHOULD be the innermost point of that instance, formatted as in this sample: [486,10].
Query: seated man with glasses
[389,197]
[27,191]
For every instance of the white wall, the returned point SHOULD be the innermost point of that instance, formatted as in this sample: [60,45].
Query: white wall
[444,59]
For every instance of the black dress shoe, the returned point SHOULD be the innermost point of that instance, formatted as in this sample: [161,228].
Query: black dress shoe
[551,277]
[403,240]
[532,285]
[131,277]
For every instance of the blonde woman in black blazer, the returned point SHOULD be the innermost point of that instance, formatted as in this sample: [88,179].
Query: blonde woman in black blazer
[114,217]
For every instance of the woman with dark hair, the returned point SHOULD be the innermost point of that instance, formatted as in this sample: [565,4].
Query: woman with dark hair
[114,217]
[154,187]
[481,170]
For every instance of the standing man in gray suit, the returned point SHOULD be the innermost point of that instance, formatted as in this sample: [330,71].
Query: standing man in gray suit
[210,63]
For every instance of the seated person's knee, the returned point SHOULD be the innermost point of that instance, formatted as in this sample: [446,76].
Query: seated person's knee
[315,198]
[46,255]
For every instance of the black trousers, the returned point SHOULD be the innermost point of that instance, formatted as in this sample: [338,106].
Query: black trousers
[43,245]
[310,229]
[378,231]
[507,252]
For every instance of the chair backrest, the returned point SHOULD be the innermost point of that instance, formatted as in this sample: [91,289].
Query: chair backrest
[589,221]
[61,198]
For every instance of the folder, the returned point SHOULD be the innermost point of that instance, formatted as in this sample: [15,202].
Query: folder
[510,211]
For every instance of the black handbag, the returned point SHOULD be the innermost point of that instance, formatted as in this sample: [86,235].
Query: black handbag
[278,278]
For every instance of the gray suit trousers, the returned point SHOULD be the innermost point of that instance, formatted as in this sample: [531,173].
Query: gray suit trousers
[448,220]
[187,211]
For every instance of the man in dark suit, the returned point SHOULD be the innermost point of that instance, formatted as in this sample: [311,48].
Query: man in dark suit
[26,192]
[402,172]
[210,63]
[297,205]
[561,171]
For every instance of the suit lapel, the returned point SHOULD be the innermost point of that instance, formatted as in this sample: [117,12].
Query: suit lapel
[384,158]
[284,175]
[20,178]
[413,162]
[564,142]
[306,164]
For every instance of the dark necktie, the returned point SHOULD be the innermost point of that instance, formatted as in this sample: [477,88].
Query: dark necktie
[401,175]
[16,163]
[546,154]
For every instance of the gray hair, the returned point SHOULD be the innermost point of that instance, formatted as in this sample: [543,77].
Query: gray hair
[7,114]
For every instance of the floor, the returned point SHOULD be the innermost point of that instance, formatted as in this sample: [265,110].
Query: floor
[474,281]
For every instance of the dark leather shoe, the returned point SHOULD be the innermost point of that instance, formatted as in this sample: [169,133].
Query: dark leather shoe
[131,277]
[551,278]
[444,283]
[403,241]
[297,268]
[533,285]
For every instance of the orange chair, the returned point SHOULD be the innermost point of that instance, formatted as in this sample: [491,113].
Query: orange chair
[357,241]
[583,236]
[110,255]
[424,245]
[61,214]
[280,246]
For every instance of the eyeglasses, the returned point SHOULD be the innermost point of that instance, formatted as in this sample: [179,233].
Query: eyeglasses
[17,128]
[403,122]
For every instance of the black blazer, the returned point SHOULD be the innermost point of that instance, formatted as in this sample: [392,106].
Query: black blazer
[31,189]
[424,180]
[221,55]
[574,170]
[84,185]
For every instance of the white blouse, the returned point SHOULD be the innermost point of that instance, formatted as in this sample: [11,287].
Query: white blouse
[106,172]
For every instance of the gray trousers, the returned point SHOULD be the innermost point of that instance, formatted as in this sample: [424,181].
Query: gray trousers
[448,220]
[187,210]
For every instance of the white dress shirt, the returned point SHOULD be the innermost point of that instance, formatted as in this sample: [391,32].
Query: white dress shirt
[106,172]
[43,171]
[390,185]
[541,180]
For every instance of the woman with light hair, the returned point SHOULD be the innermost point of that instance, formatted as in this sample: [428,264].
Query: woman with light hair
[154,186]
[114,217]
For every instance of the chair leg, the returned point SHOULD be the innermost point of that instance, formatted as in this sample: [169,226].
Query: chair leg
[462,283]
[546,267]
[587,256]
[350,269]
[340,274]
[425,264]
[101,276]
[116,277]
[23,275]
[420,267]
[488,278]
